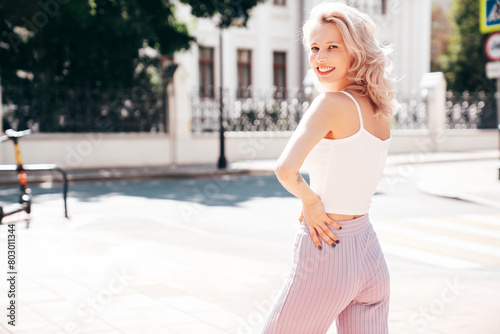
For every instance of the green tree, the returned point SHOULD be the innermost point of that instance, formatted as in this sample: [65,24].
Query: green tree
[95,43]
[464,64]
[440,35]
[227,9]
[84,43]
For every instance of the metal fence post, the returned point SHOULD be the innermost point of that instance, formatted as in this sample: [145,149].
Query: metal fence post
[1,108]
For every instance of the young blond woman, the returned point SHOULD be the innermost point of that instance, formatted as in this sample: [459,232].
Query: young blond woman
[339,271]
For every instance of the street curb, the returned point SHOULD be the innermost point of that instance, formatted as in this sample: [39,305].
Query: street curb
[461,196]
[116,174]
[208,170]
[475,156]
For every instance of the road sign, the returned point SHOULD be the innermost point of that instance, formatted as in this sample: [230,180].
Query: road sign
[489,16]
[492,46]
[493,70]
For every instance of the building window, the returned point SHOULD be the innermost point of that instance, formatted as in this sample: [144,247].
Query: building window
[279,71]
[244,72]
[206,61]
[279,2]
[384,7]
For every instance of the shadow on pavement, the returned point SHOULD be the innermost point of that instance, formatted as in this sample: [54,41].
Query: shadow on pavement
[221,191]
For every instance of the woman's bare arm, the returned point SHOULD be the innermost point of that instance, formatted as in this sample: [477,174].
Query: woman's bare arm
[317,122]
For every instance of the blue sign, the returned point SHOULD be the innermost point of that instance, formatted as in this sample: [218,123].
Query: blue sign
[489,16]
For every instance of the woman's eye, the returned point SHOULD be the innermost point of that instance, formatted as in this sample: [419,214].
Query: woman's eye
[314,48]
[333,46]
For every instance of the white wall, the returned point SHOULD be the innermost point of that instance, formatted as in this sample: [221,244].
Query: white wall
[77,151]
[91,150]
[409,30]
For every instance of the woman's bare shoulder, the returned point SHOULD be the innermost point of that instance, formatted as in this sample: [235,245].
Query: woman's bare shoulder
[333,103]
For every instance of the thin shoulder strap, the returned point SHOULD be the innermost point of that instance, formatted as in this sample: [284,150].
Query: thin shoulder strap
[357,106]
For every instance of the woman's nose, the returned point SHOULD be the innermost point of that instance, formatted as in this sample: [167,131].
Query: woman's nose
[320,57]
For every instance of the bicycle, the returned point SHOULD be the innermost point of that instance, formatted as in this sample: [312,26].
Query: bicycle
[25,195]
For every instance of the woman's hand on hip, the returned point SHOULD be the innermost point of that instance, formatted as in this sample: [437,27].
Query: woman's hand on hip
[317,221]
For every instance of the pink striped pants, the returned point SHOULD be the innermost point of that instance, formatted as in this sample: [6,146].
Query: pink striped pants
[348,283]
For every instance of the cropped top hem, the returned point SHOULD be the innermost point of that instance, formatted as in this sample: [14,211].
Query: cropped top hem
[336,211]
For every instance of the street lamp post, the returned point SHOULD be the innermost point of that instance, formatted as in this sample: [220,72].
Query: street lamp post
[222,164]
[238,19]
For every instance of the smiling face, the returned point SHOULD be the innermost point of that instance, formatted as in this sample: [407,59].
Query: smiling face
[328,56]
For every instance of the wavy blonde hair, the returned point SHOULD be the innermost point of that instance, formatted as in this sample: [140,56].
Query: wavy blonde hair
[370,68]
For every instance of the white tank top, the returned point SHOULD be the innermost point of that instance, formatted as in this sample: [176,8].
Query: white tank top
[345,172]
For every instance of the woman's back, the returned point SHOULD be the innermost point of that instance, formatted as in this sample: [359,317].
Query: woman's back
[346,168]
[347,121]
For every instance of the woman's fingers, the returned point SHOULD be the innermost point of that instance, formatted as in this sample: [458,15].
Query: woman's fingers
[328,235]
[332,222]
[325,234]
[314,236]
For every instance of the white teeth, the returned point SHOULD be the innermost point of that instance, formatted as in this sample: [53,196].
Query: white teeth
[325,69]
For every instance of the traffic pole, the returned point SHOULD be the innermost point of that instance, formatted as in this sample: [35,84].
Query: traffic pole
[498,121]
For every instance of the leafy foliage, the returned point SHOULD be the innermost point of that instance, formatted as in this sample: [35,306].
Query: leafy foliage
[95,43]
[228,9]
[464,64]
[85,43]
[440,35]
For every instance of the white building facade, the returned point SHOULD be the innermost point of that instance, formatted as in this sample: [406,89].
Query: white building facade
[269,52]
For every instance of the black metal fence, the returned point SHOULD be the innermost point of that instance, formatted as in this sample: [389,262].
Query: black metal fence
[59,109]
[466,110]
[412,111]
[253,110]
[274,110]
[45,108]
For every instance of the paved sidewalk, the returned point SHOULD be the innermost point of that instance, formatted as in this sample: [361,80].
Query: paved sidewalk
[130,264]
[469,176]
